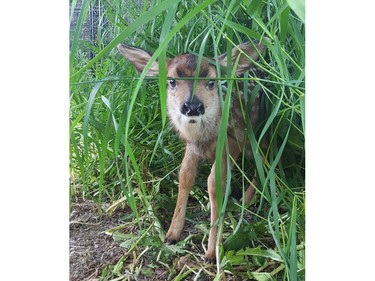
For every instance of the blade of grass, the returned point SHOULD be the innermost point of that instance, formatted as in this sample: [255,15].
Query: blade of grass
[82,15]
[302,104]
[72,9]
[133,160]
[102,156]
[90,103]
[79,157]
[284,22]
[292,242]
[298,6]
[168,21]
[128,192]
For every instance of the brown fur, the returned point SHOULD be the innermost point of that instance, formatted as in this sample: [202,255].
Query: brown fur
[200,131]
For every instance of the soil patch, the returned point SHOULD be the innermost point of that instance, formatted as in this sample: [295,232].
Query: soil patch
[90,249]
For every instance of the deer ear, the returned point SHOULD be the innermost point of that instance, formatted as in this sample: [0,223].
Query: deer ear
[250,49]
[139,58]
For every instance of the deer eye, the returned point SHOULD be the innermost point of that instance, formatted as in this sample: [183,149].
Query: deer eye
[211,84]
[172,83]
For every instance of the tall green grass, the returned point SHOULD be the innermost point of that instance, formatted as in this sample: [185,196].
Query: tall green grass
[123,151]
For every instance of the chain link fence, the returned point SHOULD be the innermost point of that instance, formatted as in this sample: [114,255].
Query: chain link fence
[90,26]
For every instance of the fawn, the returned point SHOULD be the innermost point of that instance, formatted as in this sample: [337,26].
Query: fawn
[196,117]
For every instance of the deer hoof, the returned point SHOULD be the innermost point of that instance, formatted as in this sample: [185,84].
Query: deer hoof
[169,241]
[209,258]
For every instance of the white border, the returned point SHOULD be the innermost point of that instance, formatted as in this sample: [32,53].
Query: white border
[34,140]
[340,140]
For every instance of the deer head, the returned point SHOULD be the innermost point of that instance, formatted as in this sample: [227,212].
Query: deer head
[189,105]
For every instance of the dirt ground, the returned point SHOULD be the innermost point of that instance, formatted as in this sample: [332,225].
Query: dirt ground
[90,248]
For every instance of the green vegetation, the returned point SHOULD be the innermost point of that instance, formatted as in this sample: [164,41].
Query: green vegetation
[123,151]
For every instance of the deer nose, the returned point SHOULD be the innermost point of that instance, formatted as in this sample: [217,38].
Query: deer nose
[193,108]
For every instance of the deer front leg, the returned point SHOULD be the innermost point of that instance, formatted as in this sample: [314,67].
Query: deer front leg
[234,151]
[186,180]
[210,253]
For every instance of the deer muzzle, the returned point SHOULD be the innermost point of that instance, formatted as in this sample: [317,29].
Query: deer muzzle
[192,107]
